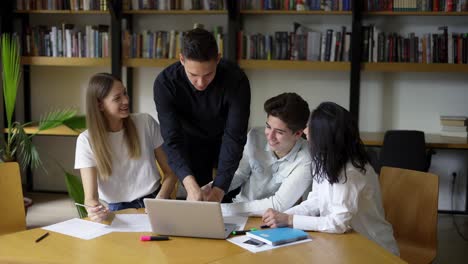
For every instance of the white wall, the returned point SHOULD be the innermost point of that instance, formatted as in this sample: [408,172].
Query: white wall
[388,100]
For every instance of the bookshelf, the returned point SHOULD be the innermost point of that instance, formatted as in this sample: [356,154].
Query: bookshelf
[51,82]
[234,18]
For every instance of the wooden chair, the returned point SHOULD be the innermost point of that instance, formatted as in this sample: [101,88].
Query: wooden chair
[410,199]
[13,217]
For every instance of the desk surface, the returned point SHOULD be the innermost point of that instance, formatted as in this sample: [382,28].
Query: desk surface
[126,248]
[432,140]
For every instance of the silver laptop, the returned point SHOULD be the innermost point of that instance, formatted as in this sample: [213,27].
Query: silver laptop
[187,218]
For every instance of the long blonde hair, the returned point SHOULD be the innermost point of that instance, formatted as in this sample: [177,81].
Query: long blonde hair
[98,88]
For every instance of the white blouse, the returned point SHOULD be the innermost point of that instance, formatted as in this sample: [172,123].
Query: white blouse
[352,204]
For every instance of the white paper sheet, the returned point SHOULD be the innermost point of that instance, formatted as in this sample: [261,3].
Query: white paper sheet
[239,221]
[79,228]
[239,240]
[130,223]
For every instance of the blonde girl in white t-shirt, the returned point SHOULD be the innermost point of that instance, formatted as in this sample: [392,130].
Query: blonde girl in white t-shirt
[116,154]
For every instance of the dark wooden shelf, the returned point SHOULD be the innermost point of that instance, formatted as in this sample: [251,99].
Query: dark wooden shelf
[293,12]
[140,62]
[64,61]
[413,67]
[175,12]
[414,13]
[294,65]
[79,12]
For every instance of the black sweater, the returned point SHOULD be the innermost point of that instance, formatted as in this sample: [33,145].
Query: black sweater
[219,113]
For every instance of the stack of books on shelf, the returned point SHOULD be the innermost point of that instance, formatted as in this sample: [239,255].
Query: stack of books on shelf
[74,5]
[66,41]
[174,4]
[436,47]
[298,5]
[454,126]
[301,44]
[159,44]
[416,5]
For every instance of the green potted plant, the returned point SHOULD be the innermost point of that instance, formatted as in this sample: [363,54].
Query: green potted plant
[18,145]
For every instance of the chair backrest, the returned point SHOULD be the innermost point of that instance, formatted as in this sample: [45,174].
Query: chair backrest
[13,217]
[410,201]
[404,149]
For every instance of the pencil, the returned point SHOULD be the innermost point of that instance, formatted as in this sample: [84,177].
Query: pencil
[42,237]
[84,205]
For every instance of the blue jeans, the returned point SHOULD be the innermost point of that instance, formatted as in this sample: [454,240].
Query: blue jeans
[138,203]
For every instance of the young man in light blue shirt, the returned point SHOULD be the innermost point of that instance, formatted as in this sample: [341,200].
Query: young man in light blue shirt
[274,171]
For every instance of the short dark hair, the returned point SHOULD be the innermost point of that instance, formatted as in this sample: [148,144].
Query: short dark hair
[289,108]
[334,141]
[199,45]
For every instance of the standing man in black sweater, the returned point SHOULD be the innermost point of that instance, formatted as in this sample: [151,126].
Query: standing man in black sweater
[203,105]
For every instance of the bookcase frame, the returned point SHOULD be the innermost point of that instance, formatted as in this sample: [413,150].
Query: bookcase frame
[234,17]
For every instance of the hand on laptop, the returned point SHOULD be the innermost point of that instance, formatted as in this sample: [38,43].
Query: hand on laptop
[206,189]
[194,192]
[215,194]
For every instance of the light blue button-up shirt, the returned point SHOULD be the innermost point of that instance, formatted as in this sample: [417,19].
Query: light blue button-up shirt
[269,182]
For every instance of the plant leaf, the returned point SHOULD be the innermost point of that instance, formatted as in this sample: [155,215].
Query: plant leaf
[75,191]
[11,72]
[77,123]
[55,118]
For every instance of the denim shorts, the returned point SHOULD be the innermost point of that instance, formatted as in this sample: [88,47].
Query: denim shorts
[137,203]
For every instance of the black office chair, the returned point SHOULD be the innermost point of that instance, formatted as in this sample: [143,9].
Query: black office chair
[405,149]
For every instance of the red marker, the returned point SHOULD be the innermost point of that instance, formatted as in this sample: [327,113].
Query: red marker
[154,238]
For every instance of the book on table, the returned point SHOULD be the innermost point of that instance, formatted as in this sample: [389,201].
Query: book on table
[278,236]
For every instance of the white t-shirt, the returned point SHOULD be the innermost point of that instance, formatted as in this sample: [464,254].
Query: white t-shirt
[131,178]
[354,204]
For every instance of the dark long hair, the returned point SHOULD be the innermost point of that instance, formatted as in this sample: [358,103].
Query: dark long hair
[334,141]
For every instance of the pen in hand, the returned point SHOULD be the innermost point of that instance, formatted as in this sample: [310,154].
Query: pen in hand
[42,237]
[89,206]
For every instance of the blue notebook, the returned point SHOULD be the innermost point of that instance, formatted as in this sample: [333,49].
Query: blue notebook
[278,236]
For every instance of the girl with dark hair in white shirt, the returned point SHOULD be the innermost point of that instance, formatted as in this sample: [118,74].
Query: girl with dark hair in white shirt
[345,191]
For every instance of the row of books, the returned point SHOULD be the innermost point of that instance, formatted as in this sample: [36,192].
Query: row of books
[332,45]
[175,4]
[299,5]
[158,44]
[454,126]
[67,41]
[416,5]
[442,47]
[73,5]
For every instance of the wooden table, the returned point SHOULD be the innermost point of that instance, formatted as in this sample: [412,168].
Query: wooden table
[126,248]
[432,140]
